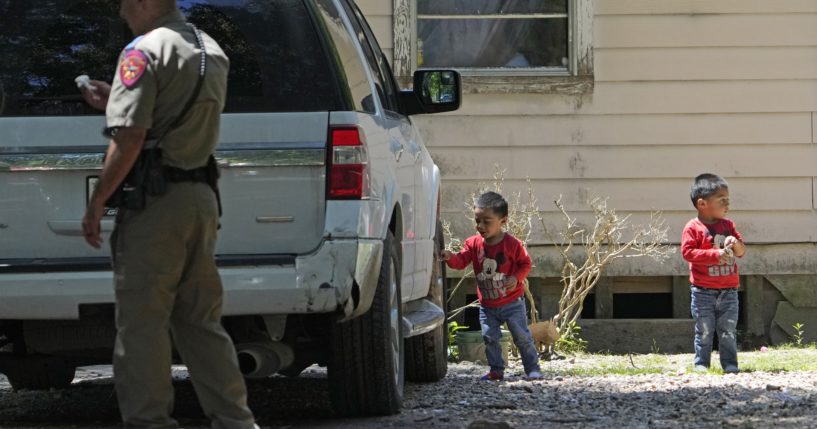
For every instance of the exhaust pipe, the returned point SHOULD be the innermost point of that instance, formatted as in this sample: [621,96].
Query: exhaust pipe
[259,360]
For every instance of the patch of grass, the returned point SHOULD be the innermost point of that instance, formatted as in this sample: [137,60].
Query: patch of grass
[590,364]
[780,359]
[786,358]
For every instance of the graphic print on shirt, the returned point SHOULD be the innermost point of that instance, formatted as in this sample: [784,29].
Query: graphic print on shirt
[727,268]
[490,281]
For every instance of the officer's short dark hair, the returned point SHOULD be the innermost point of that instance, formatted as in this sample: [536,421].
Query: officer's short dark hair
[493,201]
[706,185]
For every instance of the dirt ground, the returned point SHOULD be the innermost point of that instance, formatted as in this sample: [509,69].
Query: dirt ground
[461,400]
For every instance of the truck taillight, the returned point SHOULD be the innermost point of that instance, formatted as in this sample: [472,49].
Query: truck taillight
[348,175]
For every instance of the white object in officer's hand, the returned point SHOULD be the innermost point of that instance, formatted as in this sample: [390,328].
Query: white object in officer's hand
[84,81]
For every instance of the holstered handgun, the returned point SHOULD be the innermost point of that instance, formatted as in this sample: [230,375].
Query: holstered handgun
[213,175]
[146,177]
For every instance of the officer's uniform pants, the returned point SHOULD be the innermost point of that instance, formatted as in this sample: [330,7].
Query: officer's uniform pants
[166,281]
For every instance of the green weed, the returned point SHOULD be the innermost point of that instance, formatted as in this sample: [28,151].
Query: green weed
[798,335]
[570,342]
[453,350]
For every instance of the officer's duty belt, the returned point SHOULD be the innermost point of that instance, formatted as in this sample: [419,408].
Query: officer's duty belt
[174,174]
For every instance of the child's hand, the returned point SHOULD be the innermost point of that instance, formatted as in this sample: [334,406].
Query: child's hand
[730,241]
[445,255]
[726,256]
[510,282]
[736,246]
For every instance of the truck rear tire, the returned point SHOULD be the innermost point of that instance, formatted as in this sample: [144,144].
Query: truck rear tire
[427,354]
[38,373]
[366,363]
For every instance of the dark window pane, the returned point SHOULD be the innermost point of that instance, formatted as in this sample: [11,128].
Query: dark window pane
[345,52]
[276,61]
[46,44]
[486,7]
[589,307]
[642,306]
[492,42]
[383,72]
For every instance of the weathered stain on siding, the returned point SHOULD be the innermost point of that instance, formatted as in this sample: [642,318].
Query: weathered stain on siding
[575,86]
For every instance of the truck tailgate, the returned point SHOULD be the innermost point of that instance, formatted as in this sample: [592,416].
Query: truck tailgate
[272,184]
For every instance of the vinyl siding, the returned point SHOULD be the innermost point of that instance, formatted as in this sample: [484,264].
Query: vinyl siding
[681,87]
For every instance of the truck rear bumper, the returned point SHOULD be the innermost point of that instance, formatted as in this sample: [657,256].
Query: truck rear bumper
[320,282]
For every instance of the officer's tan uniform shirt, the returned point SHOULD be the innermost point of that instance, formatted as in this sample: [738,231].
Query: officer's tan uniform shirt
[156,99]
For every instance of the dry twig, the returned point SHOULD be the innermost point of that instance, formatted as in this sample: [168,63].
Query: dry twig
[603,242]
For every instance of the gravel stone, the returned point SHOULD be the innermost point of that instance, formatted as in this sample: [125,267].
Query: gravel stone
[674,399]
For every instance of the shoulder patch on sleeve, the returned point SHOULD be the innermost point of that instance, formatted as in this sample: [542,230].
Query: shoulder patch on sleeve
[132,67]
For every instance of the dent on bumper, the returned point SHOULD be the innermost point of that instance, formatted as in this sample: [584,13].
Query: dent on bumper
[318,283]
[321,282]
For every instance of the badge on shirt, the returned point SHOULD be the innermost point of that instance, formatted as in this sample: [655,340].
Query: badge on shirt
[132,67]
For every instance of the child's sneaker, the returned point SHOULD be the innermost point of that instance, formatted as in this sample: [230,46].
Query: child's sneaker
[493,376]
[534,375]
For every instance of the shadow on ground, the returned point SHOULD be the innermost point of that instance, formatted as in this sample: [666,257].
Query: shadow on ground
[92,403]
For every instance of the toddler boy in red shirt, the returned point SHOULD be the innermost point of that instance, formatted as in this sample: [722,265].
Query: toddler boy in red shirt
[500,264]
[710,243]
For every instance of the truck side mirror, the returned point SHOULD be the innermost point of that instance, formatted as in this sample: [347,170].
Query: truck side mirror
[434,91]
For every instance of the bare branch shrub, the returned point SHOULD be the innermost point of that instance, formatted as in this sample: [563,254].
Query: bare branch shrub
[603,242]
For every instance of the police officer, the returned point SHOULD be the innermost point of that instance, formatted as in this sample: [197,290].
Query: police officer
[166,280]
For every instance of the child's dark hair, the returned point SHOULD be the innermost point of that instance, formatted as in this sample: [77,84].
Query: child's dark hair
[493,201]
[705,185]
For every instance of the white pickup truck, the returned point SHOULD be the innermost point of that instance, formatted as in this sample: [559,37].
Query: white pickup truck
[330,229]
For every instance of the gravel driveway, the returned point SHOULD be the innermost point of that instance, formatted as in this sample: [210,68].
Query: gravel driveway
[670,400]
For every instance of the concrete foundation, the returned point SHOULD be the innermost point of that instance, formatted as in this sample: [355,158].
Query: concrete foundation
[622,336]
[770,307]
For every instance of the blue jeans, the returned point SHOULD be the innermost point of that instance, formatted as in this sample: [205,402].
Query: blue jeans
[715,311]
[515,315]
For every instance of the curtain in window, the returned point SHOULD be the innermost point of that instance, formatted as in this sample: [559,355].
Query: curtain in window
[474,33]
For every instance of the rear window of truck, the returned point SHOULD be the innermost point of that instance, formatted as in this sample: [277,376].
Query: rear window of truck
[277,62]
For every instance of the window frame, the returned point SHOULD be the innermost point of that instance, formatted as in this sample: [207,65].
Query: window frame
[389,98]
[577,79]
[332,15]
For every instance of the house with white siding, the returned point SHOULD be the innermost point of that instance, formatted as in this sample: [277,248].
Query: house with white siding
[629,100]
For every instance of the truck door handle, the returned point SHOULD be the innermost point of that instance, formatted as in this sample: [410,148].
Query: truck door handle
[74,227]
[396,147]
[415,150]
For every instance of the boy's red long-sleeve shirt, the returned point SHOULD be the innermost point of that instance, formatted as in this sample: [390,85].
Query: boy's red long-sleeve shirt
[700,246]
[491,265]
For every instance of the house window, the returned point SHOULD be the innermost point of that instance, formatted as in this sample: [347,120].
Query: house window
[516,46]
[503,36]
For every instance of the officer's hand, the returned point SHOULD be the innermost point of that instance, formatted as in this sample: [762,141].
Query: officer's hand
[96,93]
[91,224]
